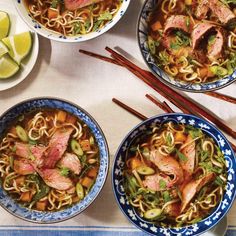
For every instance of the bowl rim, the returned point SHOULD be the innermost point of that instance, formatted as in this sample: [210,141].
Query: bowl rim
[55,36]
[104,179]
[153,118]
[159,77]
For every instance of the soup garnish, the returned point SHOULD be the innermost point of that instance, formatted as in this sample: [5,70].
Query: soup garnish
[175,175]
[49,160]
[194,41]
[73,17]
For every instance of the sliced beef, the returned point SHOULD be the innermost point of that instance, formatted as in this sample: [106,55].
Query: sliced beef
[56,148]
[224,14]
[202,9]
[199,31]
[190,152]
[190,189]
[72,162]
[23,167]
[215,48]
[169,166]
[76,4]
[54,179]
[178,22]
[153,182]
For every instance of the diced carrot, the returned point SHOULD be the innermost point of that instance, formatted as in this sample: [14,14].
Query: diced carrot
[180,137]
[85,145]
[41,206]
[188,2]
[26,196]
[75,199]
[71,119]
[87,182]
[92,172]
[156,26]
[20,180]
[205,72]
[61,116]
[53,13]
[135,162]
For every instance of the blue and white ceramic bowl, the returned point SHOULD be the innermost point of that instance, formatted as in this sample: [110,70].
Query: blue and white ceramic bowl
[52,217]
[142,33]
[34,25]
[118,178]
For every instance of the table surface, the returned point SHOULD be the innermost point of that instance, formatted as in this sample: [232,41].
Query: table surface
[61,71]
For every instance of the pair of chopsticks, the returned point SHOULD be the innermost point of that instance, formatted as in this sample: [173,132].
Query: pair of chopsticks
[183,103]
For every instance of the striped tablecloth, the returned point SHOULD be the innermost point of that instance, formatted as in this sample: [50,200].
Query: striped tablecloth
[61,71]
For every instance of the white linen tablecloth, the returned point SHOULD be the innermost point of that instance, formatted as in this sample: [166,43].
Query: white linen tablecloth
[61,71]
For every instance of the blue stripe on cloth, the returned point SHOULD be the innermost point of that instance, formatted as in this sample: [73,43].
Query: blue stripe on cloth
[68,233]
[231,232]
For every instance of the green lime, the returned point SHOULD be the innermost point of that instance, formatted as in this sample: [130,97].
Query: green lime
[3,49]
[8,67]
[4,24]
[19,45]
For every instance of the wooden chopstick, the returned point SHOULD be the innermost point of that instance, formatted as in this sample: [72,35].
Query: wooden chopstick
[167,92]
[164,106]
[222,97]
[129,109]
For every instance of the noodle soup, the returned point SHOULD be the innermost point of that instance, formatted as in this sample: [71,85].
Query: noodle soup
[193,41]
[174,175]
[73,18]
[49,160]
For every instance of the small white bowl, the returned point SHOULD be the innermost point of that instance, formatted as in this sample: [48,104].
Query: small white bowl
[40,29]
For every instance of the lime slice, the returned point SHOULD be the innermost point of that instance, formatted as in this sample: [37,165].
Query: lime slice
[19,45]
[7,67]
[3,49]
[4,24]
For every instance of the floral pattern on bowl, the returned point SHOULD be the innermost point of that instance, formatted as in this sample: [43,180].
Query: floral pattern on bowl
[147,9]
[195,229]
[52,217]
[34,25]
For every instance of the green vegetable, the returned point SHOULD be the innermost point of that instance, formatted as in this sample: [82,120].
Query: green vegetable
[152,214]
[152,45]
[97,24]
[43,188]
[203,155]
[168,139]
[91,140]
[77,28]
[76,148]
[105,16]
[187,22]
[219,71]
[219,181]
[87,24]
[55,3]
[164,57]
[145,170]
[80,191]
[64,171]
[194,132]
[11,161]
[21,133]
[166,196]
[211,39]
[32,142]
[181,156]
[162,184]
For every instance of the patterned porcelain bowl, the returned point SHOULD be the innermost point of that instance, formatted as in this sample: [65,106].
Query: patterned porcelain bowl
[118,178]
[34,25]
[52,217]
[142,32]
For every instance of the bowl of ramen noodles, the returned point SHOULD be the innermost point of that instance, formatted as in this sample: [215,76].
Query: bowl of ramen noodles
[174,174]
[190,45]
[53,160]
[71,20]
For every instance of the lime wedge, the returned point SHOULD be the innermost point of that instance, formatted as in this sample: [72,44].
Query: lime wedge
[4,24]
[19,46]
[3,49]
[7,67]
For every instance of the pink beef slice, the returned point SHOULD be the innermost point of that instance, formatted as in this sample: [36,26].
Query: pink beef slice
[215,50]
[23,167]
[56,148]
[72,162]
[224,14]
[199,31]
[202,9]
[54,179]
[178,22]
[76,4]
